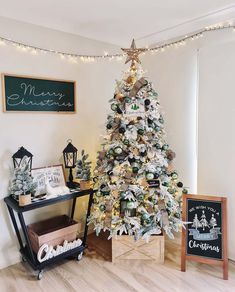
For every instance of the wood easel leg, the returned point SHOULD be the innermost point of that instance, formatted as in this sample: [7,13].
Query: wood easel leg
[225,269]
[183,264]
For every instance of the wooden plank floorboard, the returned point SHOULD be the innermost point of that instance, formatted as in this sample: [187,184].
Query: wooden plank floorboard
[93,274]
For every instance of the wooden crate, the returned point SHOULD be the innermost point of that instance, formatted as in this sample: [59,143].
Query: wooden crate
[53,231]
[125,248]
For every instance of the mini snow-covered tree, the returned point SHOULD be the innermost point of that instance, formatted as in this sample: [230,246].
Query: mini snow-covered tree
[213,221]
[83,167]
[196,222]
[203,221]
[22,181]
[138,191]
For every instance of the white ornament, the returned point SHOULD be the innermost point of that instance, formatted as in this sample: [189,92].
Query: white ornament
[150,154]
[55,191]
[131,133]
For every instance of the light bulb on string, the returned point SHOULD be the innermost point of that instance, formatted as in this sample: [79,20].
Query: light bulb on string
[34,52]
[2,42]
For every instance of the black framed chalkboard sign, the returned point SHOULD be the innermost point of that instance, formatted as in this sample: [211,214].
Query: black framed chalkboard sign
[205,237]
[36,94]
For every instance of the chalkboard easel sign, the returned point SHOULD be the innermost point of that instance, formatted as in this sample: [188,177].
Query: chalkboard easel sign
[35,94]
[205,238]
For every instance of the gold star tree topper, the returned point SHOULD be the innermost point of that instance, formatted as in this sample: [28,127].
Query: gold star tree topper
[133,54]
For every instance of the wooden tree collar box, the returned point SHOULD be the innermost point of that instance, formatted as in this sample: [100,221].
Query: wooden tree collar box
[53,231]
[125,248]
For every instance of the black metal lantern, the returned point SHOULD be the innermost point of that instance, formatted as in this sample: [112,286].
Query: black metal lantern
[70,158]
[19,155]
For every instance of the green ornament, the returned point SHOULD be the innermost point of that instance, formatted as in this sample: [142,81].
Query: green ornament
[158,146]
[149,175]
[118,150]
[145,216]
[165,147]
[161,120]
[105,193]
[111,151]
[165,184]
[95,201]
[108,155]
[135,169]
[114,107]
[155,93]
[157,128]
[130,205]
[122,195]
[126,142]
[140,131]
[174,175]
[148,221]
[140,197]
[171,190]
[184,191]
[127,99]
[154,201]
[102,208]
[109,126]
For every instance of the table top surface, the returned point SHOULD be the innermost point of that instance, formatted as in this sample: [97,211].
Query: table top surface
[12,203]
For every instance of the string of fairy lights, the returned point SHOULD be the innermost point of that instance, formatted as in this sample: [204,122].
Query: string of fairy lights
[119,56]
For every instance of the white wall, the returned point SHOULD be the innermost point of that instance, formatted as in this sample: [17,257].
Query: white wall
[216,116]
[174,74]
[45,135]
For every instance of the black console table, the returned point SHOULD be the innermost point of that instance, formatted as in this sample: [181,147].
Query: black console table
[23,239]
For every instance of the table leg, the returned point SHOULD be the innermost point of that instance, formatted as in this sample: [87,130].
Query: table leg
[12,215]
[73,207]
[27,240]
[87,215]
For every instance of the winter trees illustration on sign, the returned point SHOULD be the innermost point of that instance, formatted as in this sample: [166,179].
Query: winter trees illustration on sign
[204,230]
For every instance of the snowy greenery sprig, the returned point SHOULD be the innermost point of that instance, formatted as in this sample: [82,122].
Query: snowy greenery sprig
[22,182]
[83,167]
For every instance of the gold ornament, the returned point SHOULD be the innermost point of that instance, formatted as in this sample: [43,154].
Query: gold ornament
[135,151]
[119,97]
[130,79]
[115,193]
[143,182]
[116,205]
[133,54]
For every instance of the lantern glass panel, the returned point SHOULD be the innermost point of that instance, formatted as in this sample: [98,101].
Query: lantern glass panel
[70,160]
[18,158]
[18,162]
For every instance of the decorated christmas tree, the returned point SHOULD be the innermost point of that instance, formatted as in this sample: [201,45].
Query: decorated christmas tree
[138,191]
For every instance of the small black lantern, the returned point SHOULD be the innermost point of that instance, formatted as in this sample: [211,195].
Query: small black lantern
[19,155]
[70,158]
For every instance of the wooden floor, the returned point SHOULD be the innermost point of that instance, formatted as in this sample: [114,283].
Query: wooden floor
[94,274]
